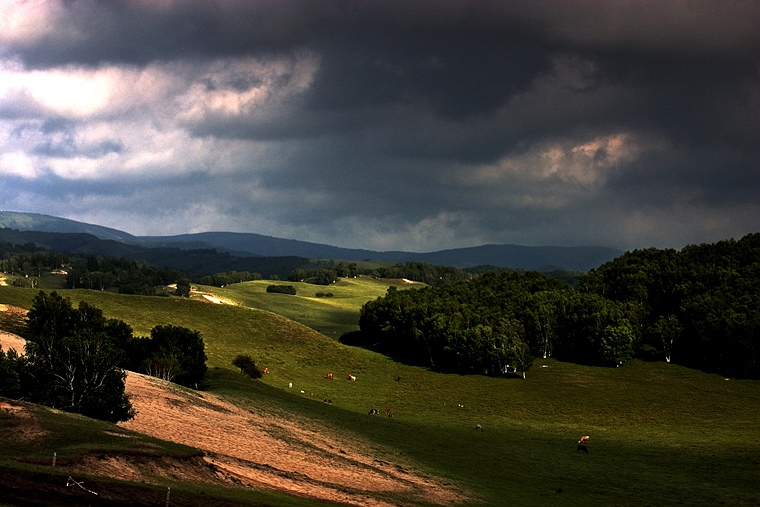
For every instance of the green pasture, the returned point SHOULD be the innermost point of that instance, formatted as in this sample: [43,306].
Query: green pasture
[46,280]
[332,316]
[660,434]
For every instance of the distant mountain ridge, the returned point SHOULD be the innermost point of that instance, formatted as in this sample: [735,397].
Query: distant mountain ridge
[540,258]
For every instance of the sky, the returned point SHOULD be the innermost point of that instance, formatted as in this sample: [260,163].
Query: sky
[387,125]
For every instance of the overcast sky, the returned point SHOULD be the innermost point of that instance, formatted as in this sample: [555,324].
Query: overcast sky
[414,125]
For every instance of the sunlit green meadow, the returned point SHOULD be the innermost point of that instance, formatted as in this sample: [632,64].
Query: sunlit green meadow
[332,316]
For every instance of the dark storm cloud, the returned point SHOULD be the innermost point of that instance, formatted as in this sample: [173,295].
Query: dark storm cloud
[447,123]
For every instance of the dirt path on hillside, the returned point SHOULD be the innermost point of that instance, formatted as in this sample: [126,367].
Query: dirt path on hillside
[261,451]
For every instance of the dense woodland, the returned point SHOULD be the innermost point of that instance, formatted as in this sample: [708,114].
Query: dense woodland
[18,247]
[698,307]
[102,272]
[326,273]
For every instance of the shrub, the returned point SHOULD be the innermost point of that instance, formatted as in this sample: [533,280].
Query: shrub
[247,366]
[282,289]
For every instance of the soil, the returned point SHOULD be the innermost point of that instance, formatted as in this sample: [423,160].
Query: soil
[259,450]
[11,341]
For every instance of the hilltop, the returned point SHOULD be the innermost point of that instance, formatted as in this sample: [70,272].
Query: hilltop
[540,258]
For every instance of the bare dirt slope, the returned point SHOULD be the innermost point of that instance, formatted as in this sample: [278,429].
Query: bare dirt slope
[260,450]
[11,341]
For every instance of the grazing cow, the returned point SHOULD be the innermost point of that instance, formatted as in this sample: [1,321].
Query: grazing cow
[330,376]
[266,370]
[479,427]
[374,411]
[351,377]
[582,447]
[390,415]
[329,402]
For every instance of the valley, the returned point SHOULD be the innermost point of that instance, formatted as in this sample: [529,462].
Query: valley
[660,433]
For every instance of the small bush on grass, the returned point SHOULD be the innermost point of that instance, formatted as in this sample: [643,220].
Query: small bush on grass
[247,366]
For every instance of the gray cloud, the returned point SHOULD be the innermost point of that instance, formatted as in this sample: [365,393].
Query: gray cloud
[387,125]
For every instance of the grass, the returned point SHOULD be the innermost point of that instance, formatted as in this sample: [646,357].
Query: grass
[660,434]
[46,280]
[332,316]
[68,435]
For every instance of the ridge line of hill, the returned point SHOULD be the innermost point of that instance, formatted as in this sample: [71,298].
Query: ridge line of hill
[540,258]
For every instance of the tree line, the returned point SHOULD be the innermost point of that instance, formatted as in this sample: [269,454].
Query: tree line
[113,273]
[327,272]
[698,307]
[75,359]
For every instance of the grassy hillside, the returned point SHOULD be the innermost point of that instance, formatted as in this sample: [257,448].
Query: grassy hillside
[660,434]
[332,316]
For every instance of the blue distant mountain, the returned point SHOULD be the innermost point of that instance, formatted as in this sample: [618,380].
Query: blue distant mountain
[540,258]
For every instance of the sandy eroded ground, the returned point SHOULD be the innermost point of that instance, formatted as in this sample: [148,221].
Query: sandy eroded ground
[8,340]
[11,341]
[261,451]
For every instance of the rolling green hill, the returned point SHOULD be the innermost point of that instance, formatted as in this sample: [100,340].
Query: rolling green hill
[332,316]
[660,434]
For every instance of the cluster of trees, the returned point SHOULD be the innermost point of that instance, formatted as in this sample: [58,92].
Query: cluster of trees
[91,271]
[28,260]
[129,277]
[699,307]
[321,276]
[282,289]
[222,279]
[417,271]
[424,272]
[465,327]
[75,359]
[134,275]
